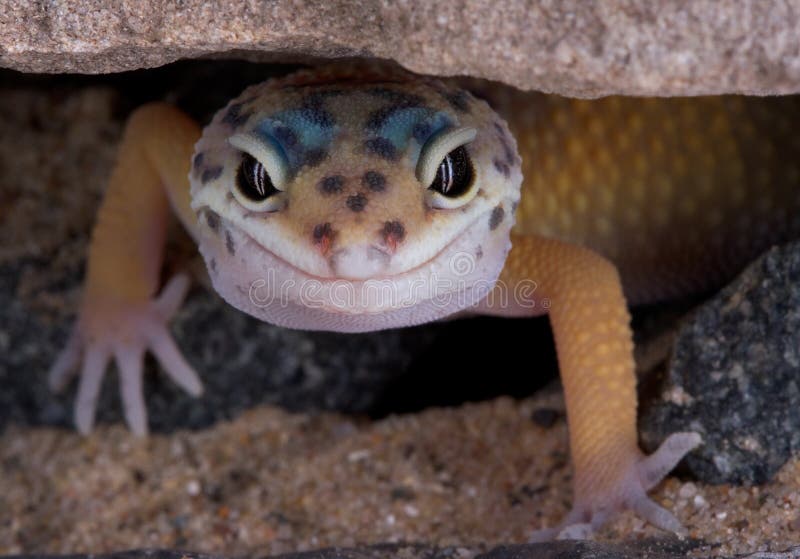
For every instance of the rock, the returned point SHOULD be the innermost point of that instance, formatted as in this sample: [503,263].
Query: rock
[665,549]
[654,549]
[734,375]
[571,47]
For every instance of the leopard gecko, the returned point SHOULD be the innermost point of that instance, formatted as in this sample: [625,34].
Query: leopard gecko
[356,196]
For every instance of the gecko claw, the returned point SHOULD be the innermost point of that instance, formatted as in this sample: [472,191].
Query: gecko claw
[123,332]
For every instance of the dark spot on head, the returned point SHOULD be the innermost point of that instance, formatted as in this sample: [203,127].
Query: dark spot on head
[511,157]
[211,173]
[229,244]
[508,153]
[331,185]
[378,117]
[381,147]
[212,264]
[479,252]
[316,115]
[393,233]
[459,100]
[356,202]
[398,101]
[313,157]
[398,98]
[197,161]
[212,219]
[235,117]
[285,136]
[502,167]
[421,131]
[321,95]
[497,217]
[374,180]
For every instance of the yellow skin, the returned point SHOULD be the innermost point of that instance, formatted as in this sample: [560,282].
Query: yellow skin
[663,197]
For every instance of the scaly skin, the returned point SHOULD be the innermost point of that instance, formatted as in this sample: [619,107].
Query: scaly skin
[663,197]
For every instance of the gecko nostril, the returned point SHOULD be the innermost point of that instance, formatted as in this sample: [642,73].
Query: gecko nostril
[393,233]
[323,236]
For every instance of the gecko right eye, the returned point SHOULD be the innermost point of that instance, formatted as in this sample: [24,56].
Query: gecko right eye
[262,175]
[252,181]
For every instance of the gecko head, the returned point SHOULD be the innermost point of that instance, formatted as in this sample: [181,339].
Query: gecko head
[354,198]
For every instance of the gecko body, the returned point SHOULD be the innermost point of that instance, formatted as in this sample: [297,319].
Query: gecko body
[356,197]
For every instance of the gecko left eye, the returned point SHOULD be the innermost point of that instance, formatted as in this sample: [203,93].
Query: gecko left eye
[455,174]
[446,170]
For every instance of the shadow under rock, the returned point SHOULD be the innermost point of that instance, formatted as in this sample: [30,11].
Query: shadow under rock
[244,362]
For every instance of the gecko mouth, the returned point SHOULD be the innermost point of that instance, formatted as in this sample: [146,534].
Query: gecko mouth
[259,282]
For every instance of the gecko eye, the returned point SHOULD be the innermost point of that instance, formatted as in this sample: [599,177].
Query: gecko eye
[253,181]
[445,169]
[262,175]
[455,174]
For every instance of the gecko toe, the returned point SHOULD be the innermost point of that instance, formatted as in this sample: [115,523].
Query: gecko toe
[653,468]
[94,367]
[658,516]
[129,361]
[172,360]
[172,296]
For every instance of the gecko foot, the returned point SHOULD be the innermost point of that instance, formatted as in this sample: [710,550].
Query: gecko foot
[123,331]
[627,491]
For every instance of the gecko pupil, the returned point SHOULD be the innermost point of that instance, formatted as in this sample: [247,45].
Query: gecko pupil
[253,180]
[454,176]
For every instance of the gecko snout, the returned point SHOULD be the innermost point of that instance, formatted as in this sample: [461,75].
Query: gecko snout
[359,262]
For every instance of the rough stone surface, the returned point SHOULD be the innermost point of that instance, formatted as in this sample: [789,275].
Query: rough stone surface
[570,47]
[746,402]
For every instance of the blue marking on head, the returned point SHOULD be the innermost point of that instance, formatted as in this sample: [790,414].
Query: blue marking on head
[400,126]
[303,138]
[397,126]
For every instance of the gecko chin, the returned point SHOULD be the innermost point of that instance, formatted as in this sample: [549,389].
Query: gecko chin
[256,281]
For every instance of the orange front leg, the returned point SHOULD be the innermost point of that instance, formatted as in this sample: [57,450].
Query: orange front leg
[591,325]
[121,315]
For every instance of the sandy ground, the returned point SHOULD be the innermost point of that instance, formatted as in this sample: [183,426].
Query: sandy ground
[270,481]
